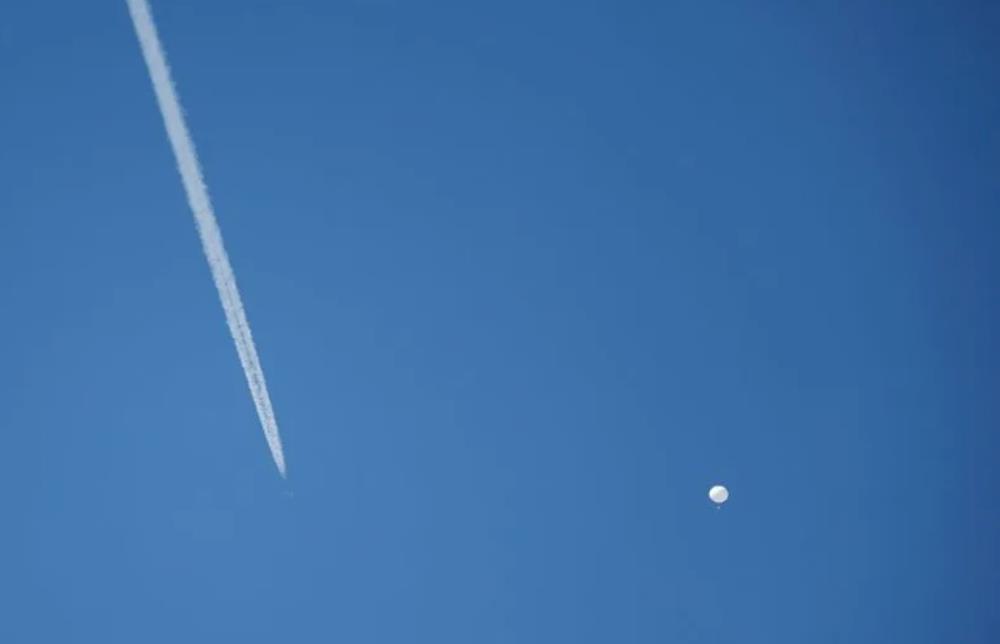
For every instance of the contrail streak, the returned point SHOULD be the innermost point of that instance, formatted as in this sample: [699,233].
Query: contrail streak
[208,227]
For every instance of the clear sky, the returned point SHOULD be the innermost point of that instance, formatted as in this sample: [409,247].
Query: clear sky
[526,279]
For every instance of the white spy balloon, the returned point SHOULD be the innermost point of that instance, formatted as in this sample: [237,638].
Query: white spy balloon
[719,494]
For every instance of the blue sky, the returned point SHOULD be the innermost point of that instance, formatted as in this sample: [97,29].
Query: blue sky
[525,280]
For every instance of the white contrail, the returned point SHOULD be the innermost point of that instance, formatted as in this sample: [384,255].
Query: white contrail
[208,228]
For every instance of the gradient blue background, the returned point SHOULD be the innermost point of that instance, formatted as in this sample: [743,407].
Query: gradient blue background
[526,279]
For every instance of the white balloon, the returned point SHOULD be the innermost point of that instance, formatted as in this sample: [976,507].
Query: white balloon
[719,494]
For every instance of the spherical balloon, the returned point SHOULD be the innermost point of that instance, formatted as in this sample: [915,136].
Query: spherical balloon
[719,494]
